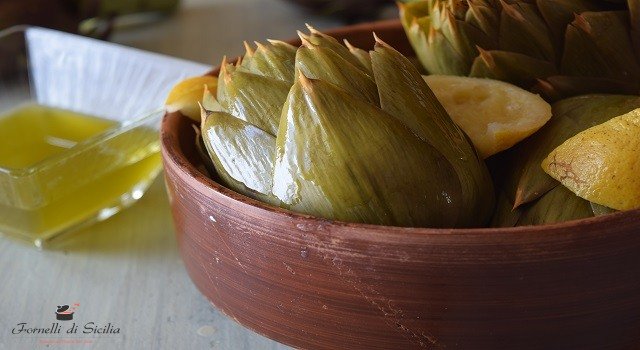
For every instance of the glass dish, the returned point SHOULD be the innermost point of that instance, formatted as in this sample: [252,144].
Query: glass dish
[97,177]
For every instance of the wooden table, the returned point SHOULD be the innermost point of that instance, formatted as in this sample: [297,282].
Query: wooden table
[127,271]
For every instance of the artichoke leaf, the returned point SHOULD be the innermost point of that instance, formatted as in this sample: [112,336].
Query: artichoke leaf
[590,51]
[523,30]
[405,95]
[362,56]
[512,67]
[557,205]
[243,154]
[253,98]
[207,164]
[485,18]
[505,215]
[599,210]
[339,157]
[317,62]
[558,14]
[328,42]
[412,10]
[570,116]
[209,102]
[275,60]
[553,87]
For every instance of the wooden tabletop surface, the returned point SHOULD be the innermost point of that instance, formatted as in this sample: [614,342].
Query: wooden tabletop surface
[126,271]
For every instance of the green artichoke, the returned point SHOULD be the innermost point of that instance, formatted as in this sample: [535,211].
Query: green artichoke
[556,47]
[341,133]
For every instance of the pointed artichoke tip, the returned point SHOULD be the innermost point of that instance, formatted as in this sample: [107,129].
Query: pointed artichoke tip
[512,11]
[519,200]
[248,49]
[544,84]
[305,81]
[379,42]
[486,57]
[260,46]
[306,42]
[224,70]
[204,114]
[311,29]
[348,45]
[303,37]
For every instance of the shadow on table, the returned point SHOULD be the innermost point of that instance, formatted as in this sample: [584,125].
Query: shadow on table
[145,229]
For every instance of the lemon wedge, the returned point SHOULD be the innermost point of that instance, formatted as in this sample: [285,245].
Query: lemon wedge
[185,95]
[494,114]
[602,164]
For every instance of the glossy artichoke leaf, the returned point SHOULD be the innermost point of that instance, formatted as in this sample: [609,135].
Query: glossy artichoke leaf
[362,56]
[275,60]
[557,205]
[590,51]
[226,70]
[243,154]
[511,67]
[248,55]
[339,157]
[253,98]
[570,116]
[599,210]
[405,95]
[317,62]
[328,42]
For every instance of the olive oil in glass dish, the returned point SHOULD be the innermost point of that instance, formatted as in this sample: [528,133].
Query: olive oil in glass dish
[79,123]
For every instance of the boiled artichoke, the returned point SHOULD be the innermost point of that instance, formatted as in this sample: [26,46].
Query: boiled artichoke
[341,133]
[559,48]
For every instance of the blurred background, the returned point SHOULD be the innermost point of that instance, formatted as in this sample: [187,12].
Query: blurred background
[198,30]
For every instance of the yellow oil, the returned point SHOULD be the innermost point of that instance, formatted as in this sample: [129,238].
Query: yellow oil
[34,133]
[69,169]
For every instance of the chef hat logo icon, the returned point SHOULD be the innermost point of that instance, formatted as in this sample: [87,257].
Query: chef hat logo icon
[65,312]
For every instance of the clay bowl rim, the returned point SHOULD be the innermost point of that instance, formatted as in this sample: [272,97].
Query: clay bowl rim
[172,151]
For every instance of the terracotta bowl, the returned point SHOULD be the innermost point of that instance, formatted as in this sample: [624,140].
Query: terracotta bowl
[317,284]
